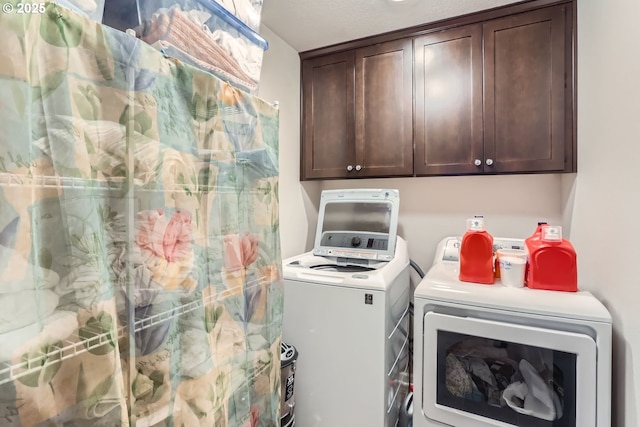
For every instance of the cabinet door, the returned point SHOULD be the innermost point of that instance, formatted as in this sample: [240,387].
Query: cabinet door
[384,105]
[448,116]
[524,78]
[328,137]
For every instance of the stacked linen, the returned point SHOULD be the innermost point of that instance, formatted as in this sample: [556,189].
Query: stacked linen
[248,11]
[209,39]
[29,313]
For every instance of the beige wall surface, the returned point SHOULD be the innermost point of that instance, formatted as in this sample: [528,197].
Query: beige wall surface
[432,208]
[604,197]
[599,207]
[280,81]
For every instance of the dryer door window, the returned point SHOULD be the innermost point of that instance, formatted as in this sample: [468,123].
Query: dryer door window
[486,373]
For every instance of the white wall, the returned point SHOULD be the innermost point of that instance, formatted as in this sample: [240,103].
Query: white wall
[599,206]
[435,207]
[605,220]
[280,81]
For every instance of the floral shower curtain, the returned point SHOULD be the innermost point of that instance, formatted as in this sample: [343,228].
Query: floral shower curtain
[140,266]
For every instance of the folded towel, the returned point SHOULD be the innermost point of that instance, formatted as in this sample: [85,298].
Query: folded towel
[85,283]
[174,52]
[196,357]
[20,309]
[10,341]
[57,327]
[247,55]
[22,276]
[108,151]
[177,29]
[16,274]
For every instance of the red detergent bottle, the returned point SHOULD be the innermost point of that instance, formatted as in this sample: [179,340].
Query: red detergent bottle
[476,253]
[530,242]
[552,261]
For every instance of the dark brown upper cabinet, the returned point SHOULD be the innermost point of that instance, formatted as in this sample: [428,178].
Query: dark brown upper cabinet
[524,95]
[357,113]
[328,116]
[448,94]
[491,92]
[491,97]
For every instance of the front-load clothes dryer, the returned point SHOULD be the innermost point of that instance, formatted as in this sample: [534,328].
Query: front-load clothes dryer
[346,312]
[498,356]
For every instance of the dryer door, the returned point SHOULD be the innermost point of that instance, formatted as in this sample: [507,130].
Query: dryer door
[483,373]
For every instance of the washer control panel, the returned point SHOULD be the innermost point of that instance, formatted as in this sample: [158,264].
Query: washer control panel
[353,244]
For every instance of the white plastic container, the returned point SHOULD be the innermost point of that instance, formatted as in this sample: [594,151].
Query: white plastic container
[204,34]
[513,263]
[92,9]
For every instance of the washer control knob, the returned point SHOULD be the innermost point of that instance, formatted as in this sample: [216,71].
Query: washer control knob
[355,241]
[477,162]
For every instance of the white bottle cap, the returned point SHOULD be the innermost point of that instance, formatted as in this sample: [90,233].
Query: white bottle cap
[552,233]
[476,223]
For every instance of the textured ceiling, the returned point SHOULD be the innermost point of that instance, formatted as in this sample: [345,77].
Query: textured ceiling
[309,24]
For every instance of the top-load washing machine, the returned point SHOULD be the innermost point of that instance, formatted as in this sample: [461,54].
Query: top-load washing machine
[346,312]
[492,355]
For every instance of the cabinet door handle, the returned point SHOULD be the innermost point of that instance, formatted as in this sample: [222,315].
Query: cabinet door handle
[358,167]
[489,162]
[477,162]
[349,168]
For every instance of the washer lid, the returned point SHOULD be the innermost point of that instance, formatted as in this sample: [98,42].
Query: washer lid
[380,275]
[358,224]
[318,263]
[441,284]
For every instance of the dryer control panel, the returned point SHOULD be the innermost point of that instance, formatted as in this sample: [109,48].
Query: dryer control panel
[449,248]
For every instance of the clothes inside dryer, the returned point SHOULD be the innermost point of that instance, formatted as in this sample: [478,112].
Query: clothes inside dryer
[504,380]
